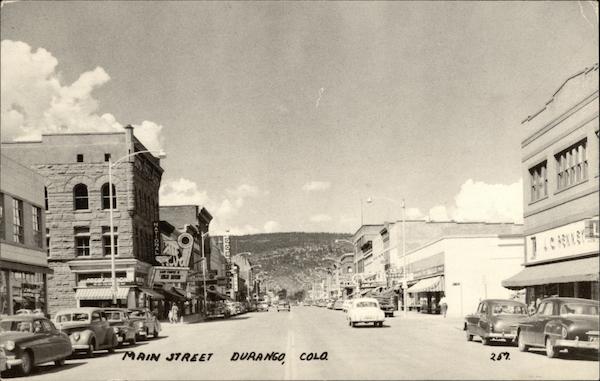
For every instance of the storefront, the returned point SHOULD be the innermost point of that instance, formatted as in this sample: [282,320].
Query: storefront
[560,262]
[426,294]
[22,290]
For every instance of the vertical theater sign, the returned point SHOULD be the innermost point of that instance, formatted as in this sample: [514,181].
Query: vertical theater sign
[173,257]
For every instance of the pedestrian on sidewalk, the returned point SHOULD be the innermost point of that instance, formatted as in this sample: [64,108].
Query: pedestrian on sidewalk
[175,313]
[171,315]
[443,305]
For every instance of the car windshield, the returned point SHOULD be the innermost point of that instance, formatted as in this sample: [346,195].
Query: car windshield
[508,309]
[578,309]
[16,326]
[366,304]
[136,313]
[113,315]
[76,316]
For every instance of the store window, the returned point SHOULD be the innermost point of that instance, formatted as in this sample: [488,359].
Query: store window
[82,241]
[106,196]
[28,291]
[46,198]
[572,165]
[538,180]
[106,241]
[36,221]
[18,233]
[80,195]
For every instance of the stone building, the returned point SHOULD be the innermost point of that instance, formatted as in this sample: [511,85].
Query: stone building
[23,263]
[75,167]
[559,162]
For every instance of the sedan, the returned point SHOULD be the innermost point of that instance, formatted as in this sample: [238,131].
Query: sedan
[365,310]
[495,319]
[88,329]
[118,319]
[29,340]
[145,322]
[283,306]
[561,323]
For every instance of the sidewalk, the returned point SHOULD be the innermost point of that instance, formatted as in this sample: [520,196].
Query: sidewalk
[189,319]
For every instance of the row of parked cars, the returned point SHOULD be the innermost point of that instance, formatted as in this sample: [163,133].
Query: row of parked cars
[29,339]
[558,324]
[358,311]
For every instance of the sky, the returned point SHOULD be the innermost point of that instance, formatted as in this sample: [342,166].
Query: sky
[303,116]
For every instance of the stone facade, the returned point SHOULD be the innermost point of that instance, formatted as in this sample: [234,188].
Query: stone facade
[66,160]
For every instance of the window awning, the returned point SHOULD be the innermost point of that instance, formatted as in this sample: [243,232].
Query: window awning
[150,292]
[576,270]
[428,285]
[100,293]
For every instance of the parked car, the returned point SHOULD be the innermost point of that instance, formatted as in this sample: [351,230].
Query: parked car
[338,304]
[88,329]
[347,304]
[118,319]
[365,310]
[145,323]
[561,323]
[28,340]
[495,319]
[3,365]
[283,305]
[262,307]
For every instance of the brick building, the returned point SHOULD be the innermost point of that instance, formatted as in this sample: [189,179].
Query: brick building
[75,167]
[23,262]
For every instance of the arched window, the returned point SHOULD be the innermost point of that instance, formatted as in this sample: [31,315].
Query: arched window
[106,197]
[80,195]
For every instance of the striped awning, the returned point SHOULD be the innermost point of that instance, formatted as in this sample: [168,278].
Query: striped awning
[428,285]
[100,293]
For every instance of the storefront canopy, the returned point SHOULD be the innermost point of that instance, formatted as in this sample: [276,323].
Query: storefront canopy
[218,295]
[428,285]
[150,292]
[577,270]
[100,293]
[172,294]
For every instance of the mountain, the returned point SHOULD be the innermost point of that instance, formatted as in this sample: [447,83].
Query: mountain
[291,259]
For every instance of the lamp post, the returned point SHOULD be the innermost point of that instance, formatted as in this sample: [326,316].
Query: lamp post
[161,155]
[202,235]
[404,281]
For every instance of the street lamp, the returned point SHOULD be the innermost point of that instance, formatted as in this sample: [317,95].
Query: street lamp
[161,155]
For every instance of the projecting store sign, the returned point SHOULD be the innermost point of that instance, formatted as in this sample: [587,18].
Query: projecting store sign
[576,238]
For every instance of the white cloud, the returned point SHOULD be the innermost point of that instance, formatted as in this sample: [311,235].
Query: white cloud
[320,218]
[272,226]
[181,192]
[479,201]
[414,213]
[34,101]
[316,186]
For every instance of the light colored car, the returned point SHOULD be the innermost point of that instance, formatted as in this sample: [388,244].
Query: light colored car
[365,310]
[145,322]
[283,305]
[87,328]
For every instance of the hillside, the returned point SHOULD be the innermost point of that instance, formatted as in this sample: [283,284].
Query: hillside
[291,259]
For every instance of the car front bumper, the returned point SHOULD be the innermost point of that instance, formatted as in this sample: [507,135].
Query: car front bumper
[80,347]
[12,361]
[579,344]
[502,335]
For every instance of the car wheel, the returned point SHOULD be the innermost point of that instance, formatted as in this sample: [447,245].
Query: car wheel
[27,365]
[551,350]
[155,333]
[521,343]
[133,341]
[91,348]
[59,362]
[485,340]
[469,336]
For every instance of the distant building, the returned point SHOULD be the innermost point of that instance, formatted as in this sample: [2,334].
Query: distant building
[75,167]
[23,262]
[560,166]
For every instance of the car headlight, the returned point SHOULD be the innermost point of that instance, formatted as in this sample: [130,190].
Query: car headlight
[564,332]
[116,329]
[9,345]
[140,324]
[76,336]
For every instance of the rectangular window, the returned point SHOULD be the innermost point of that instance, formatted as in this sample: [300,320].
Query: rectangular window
[36,214]
[106,240]
[106,157]
[18,234]
[80,158]
[82,241]
[538,181]
[572,165]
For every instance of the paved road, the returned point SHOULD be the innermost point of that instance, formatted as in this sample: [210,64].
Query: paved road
[417,347]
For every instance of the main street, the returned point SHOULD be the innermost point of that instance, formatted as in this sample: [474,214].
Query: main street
[416,347]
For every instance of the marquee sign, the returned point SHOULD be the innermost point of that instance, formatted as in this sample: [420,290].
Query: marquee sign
[169,275]
[176,254]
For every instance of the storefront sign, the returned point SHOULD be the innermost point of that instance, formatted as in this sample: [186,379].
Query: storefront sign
[226,248]
[176,253]
[156,244]
[426,273]
[572,239]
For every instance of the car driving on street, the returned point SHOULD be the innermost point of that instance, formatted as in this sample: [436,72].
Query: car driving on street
[365,310]
[495,319]
[283,305]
